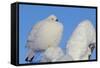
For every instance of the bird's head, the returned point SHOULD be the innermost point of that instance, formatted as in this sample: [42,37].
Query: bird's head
[52,18]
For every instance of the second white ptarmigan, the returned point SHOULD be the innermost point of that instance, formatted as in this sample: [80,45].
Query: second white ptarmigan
[82,42]
[44,34]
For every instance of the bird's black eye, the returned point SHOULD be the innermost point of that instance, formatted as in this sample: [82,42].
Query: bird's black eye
[56,19]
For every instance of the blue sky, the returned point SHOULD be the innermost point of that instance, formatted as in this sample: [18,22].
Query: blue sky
[70,17]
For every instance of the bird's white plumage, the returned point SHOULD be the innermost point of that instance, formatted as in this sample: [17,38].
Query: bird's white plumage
[53,54]
[44,34]
[78,44]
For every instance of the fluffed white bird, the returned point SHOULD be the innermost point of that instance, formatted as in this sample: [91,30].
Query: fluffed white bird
[46,33]
[53,54]
[82,42]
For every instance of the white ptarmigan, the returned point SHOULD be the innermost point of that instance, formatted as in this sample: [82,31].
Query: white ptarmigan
[82,42]
[44,34]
